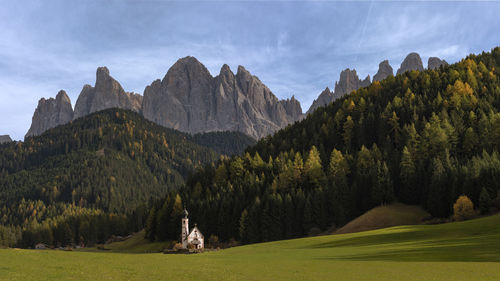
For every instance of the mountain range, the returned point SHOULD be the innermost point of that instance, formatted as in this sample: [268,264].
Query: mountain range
[349,80]
[191,100]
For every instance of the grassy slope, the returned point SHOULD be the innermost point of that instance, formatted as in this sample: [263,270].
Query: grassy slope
[456,251]
[386,216]
[136,244]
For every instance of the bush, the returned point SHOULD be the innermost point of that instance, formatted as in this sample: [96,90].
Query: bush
[177,246]
[463,209]
[213,241]
[314,231]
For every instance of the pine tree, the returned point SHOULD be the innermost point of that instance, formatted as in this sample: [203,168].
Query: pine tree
[313,171]
[348,132]
[484,201]
[308,221]
[289,217]
[408,191]
[243,230]
[382,191]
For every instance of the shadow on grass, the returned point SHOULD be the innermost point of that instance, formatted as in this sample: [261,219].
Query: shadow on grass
[475,252]
[420,245]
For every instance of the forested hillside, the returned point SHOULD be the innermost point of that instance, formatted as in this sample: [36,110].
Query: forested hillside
[227,143]
[420,138]
[81,179]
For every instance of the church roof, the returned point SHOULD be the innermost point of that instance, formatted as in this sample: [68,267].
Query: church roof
[197,231]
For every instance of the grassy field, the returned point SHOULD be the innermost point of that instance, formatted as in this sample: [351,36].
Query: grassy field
[136,244]
[456,251]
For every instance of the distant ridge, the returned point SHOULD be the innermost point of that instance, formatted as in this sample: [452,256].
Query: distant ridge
[191,100]
[349,80]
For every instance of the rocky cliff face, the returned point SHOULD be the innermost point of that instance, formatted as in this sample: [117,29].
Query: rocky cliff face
[189,99]
[323,99]
[51,113]
[435,62]
[5,138]
[384,71]
[348,82]
[411,62]
[106,93]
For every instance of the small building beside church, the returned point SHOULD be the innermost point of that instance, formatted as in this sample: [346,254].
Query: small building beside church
[195,237]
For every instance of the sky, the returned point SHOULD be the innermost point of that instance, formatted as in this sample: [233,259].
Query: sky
[294,47]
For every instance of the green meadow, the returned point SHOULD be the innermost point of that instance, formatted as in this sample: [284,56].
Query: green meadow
[467,250]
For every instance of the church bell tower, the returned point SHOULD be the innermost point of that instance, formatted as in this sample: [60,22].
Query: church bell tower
[185,229]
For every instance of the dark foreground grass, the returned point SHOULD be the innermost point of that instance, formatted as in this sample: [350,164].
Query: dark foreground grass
[457,251]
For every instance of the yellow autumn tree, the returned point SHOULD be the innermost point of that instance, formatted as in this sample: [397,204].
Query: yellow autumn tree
[463,208]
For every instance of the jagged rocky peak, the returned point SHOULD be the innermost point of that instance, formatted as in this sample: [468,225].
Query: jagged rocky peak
[191,100]
[384,71]
[434,63]
[51,113]
[348,82]
[323,99]
[226,73]
[366,82]
[292,108]
[5,138]
[411,62]
[106,93]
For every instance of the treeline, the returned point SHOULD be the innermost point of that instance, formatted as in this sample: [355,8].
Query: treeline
[113,160]
[110,162]
[226,143]
[63,224]
[420,138]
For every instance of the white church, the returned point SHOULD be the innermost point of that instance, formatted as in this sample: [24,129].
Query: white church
[194,237]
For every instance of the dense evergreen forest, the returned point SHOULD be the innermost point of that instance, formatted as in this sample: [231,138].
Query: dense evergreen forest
[86,180]
[419,138]
[226,143]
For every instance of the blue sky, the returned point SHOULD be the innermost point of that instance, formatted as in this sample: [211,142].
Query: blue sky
[295,48]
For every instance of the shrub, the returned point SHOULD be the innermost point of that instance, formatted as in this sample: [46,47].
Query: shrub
[463,209]
[177,246]
[314,231]
[213,241]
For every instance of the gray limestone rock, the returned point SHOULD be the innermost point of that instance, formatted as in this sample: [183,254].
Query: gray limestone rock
[106,93]
[323,99]
[435,62]
[189,99]
[411,62]
[348,82]
[51,113]
[384,71]
[5,138]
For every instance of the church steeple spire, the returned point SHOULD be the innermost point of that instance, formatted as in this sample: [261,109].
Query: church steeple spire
[185,229]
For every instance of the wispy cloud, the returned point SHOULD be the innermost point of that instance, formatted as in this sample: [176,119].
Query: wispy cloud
[295,48]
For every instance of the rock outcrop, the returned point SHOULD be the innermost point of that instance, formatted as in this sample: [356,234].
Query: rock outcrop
[51,113]
[435,62]
[348,82]
[323,99]
[106,93]
[384,71]
[5,138]
[411,62]
[189,99]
